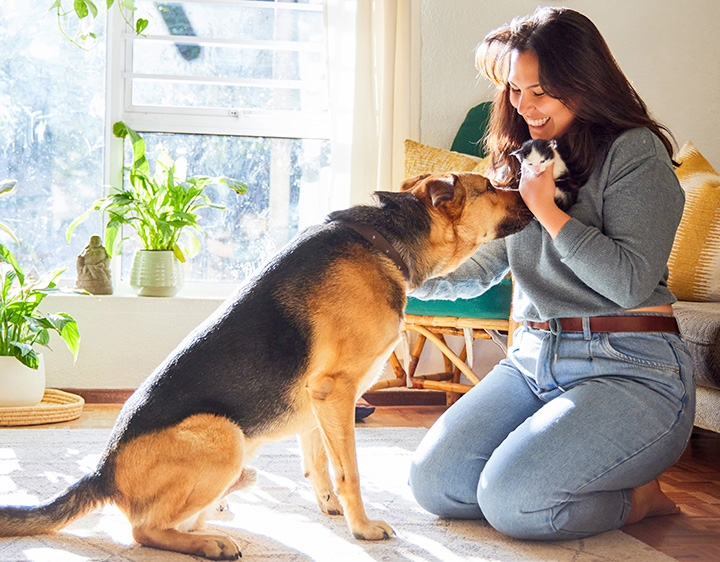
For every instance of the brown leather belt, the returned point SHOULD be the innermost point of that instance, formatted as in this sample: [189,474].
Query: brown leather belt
[613,324]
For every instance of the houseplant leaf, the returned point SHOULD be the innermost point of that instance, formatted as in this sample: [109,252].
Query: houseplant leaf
[22,323]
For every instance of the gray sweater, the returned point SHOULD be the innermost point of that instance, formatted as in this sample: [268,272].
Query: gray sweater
[610,257]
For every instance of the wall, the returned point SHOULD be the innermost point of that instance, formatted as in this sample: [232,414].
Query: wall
[123,338]
[668,49]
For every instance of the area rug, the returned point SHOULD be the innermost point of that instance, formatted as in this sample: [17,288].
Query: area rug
[277,520]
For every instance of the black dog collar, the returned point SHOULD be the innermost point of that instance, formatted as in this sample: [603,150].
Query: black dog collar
[379,242]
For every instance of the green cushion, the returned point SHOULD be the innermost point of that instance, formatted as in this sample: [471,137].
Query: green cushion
[493,303]
[468,139]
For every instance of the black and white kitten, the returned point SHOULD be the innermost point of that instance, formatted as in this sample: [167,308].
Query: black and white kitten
[535,156]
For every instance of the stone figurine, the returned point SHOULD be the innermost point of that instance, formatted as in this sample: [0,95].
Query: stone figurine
[93,269]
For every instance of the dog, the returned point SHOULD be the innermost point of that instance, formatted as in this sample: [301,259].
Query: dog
[289,353]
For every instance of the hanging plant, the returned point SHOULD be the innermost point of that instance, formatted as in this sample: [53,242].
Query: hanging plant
[85,12]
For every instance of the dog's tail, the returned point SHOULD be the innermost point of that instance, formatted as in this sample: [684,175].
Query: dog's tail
[79,499]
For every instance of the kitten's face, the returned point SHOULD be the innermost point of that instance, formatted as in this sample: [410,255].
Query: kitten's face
[536,163]
[535,157]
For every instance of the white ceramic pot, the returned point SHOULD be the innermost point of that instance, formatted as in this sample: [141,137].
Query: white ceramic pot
[20,385]
[156,273]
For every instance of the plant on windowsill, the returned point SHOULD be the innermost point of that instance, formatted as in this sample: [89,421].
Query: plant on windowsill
[159,207]
[23,326]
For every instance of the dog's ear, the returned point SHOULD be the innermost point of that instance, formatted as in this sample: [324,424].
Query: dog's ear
[409,183]
[441,189]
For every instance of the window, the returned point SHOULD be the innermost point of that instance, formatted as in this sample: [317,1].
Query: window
[52,104]
[238,87]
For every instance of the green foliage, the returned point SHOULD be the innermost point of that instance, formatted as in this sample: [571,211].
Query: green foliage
[158,207]
[6,188]
[85,11]
[22,325]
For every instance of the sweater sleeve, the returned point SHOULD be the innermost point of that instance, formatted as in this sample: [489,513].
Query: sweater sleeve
[642,207]
[488,266]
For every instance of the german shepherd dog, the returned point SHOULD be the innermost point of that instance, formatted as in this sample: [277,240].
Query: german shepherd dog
[289,353]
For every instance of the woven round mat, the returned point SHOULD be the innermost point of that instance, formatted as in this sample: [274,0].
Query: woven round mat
[56,406]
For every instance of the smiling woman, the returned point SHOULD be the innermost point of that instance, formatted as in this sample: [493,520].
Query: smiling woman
[547,117]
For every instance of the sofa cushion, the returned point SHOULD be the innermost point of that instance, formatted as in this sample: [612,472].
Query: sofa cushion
[469,138]
[695,258]
[424,159]
[493,303]
[700,327]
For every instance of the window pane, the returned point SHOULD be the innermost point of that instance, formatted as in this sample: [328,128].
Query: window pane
[265,57]
[51,131]
[169,93]
[288,190]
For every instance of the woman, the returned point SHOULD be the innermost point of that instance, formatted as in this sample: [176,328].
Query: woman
[565,438]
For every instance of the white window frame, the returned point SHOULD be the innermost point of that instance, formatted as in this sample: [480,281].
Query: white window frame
[232,122]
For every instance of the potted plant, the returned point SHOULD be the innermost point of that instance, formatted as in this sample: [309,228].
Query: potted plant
[22,326]
[159,207]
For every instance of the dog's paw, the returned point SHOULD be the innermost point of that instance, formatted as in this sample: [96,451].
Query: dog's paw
[218,547]
[329,504]
[373,531]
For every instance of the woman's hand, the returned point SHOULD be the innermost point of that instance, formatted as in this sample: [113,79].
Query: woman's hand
[538,193]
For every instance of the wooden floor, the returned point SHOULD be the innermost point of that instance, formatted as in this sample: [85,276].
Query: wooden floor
[693,483]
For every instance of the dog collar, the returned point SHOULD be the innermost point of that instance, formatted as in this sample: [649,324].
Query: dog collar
[379,242]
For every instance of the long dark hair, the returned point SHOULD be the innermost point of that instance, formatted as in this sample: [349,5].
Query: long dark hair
[576,67]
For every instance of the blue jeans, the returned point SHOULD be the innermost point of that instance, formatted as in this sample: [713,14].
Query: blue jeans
[550,443]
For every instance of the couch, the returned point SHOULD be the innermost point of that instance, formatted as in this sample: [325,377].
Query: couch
[700,326]
[695,278]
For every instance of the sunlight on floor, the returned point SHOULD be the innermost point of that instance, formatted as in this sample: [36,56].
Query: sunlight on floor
[52,555]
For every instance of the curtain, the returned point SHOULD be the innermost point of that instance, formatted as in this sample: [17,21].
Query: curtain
[374,85]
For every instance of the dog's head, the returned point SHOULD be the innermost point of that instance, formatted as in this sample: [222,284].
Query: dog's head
[465,211]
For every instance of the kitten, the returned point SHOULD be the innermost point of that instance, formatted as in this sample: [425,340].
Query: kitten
[535,156]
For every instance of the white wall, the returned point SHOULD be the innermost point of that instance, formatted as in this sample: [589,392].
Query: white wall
[123,338]
[668,49]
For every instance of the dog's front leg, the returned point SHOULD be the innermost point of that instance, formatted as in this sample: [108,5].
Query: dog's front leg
[315,467]
[333,402]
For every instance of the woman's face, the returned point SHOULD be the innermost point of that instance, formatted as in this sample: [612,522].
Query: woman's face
[546,117]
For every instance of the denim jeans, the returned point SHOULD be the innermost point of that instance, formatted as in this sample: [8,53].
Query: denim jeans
[550,443]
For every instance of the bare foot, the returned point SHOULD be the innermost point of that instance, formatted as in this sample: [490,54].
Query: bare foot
[649,501]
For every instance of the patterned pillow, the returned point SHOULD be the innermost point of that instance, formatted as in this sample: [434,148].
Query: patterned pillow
[424,159]
[695,258]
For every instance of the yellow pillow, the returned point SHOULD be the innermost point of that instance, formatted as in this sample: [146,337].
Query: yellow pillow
[424,159]
[695,258]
